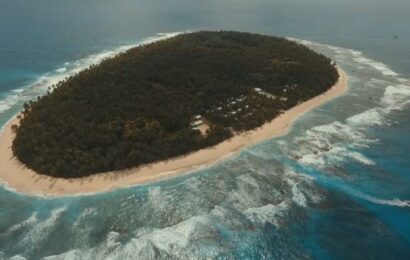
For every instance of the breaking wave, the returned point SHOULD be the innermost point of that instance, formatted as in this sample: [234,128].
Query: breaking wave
[40,86]
[256,189]
[247,203]
[333,143]
[392,202]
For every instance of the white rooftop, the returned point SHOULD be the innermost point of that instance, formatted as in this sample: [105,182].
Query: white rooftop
[197,123]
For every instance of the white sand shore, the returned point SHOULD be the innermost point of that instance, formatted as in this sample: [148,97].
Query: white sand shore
[24,180]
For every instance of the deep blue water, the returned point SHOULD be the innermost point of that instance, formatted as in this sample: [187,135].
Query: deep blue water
[336,187]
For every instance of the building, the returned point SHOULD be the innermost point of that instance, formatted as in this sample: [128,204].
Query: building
[197,123]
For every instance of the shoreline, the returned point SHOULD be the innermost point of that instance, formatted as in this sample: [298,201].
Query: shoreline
[17,177]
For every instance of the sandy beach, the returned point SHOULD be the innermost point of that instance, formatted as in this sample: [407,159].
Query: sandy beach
[17,177]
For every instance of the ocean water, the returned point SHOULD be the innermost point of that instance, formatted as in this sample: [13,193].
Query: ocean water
[336,187]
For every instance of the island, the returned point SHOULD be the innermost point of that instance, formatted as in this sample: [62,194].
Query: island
[162,109]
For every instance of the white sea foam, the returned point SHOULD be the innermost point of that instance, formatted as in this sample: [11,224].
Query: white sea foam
[312,159]
[247,178]
[301,187]
[327,144]
[396,97]
[383,68]
[297,196]
[19,90]
[30,221]
[268,213]
[40,86]
[61,70]
[112,239]
[7,102]
[403,80]
[331,144]
[178,235]
[356,56]
[18,257]
[319,145]
[88,212]
[391,202]
[69,255]
[368,118]
[334,156]
[156,198]
[375,83]
[298,175]
[240,200]
[192,183]
[241,207]
[358,157]
[170,241]
[41,229]
[334,133]
[335,137]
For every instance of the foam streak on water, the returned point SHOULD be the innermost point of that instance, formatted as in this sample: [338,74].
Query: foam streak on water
[40,86]
[327,145]
[258,204]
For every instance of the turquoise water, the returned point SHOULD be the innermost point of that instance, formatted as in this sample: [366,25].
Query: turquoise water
[336,187]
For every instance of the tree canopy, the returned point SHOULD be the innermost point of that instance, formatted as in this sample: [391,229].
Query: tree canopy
[138,107]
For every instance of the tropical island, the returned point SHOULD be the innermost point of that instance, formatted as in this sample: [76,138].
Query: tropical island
[176,97]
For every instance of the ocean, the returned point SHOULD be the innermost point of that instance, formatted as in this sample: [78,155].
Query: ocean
[335,187]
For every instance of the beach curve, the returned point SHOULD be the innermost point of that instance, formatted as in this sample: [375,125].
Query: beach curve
[21,179]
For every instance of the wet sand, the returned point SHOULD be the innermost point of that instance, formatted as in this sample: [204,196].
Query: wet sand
[17,177]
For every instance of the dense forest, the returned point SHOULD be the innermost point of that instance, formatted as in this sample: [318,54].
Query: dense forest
[138,107]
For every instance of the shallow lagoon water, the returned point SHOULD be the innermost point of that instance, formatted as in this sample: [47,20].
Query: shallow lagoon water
[335,187]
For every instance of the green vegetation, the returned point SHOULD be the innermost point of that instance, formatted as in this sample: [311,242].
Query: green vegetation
[138,107]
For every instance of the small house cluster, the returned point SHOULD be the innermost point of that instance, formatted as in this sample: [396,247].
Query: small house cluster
[197,121]
[245,106]
[235,108]
[200,124]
